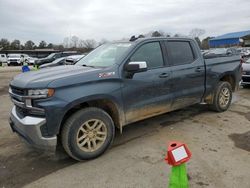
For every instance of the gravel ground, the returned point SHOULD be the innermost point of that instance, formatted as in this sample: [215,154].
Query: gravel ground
[219,142]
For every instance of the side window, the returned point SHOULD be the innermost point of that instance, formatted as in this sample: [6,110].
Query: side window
[180,52]
[2,55]
[57,56]
[151,53]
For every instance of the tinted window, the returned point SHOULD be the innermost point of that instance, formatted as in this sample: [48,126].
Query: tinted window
[151,53]
[57,55]
[180,52]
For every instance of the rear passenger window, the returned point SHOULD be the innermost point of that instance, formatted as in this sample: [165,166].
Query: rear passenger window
[151,53]
[180,52]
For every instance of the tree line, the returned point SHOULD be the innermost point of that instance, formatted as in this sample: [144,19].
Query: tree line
[5,44]
[76,43]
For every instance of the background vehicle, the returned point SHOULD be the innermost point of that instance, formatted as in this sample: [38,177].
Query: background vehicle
[245,52]
[114,85]
[72,59]
[57,62]
[32,60]
[3,59]
[18,59]
[220,52]
[14,59]
[246,74]
[53,57]
[28,59]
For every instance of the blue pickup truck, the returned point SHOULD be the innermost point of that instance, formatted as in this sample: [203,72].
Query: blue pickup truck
[79,106]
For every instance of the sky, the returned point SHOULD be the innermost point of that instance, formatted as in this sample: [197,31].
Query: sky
[53,20]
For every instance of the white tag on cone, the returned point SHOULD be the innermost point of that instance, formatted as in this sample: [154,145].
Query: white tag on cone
[179,153]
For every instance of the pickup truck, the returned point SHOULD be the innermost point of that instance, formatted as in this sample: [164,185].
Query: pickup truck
[79,106]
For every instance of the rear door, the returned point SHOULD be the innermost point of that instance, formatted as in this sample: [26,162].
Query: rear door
[188,72]
[147,93]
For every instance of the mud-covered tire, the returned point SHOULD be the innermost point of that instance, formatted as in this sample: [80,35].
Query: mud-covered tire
[77,128]
[222,97]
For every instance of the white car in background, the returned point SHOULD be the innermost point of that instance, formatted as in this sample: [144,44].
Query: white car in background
[29,60]
[14,59]
[20,59]
[247,52]
[3,59]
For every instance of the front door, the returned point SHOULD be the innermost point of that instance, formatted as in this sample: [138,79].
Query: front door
[147,93]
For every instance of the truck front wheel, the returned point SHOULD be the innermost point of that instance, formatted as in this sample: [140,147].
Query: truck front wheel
[222,97]
[87,133]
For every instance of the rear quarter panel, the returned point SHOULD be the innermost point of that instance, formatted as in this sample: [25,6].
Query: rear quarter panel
[217,68]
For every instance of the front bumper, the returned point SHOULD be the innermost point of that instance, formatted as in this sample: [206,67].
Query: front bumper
[29,129]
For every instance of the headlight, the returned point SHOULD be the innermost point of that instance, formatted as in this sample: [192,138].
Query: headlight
[41,93]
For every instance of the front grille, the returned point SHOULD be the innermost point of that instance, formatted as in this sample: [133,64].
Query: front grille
[18,91]
[13,60]
[246,79]
[247,72]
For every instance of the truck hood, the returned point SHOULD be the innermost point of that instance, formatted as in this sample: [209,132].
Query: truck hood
[42,78]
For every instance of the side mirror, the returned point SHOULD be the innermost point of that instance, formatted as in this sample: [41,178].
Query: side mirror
[136,66]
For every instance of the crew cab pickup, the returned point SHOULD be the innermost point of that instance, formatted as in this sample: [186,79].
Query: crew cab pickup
[79,106]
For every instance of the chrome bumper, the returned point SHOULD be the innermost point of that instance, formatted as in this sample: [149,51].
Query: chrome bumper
[29,129]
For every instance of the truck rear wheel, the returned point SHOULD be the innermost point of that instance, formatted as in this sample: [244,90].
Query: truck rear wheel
[88,133]
[222,97]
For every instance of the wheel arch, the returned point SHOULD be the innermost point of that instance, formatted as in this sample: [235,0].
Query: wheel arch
[230,78]
[107,104]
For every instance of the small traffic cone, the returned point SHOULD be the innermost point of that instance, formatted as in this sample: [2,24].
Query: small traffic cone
[177,155]
[35,67]
[178,177]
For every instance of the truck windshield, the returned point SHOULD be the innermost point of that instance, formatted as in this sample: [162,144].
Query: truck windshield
[105,55]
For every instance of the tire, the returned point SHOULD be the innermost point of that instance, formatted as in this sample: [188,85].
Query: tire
[222,97]
[78,137]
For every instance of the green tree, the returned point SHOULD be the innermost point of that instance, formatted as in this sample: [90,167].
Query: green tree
[42,44]
[5,44]
[50,45]
[156,34]
[29,45]
[205,43]
[15,45]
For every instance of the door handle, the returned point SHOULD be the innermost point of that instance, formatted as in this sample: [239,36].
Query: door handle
[164,75]
[198,69]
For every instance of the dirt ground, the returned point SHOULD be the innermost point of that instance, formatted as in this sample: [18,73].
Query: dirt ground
[219,142]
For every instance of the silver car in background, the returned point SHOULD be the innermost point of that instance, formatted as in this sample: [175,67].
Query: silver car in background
[72,59]
[246,73]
